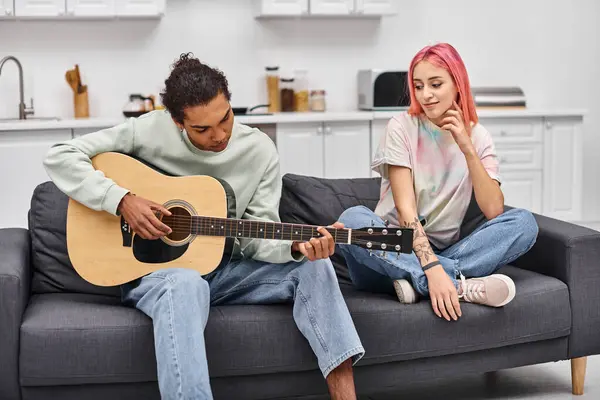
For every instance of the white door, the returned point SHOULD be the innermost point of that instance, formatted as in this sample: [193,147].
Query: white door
[40,8]
[21,170]
[300,147]
[281,7]
[91,8]
[135,8]
[347,149]
[331,7]
[376,7]
[7,8]
[523,189]
[563,168]
[377,131]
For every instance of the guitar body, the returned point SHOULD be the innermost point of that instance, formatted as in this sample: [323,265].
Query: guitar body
[106,252]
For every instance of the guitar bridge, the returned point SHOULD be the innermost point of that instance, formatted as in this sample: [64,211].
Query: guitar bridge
[126,233]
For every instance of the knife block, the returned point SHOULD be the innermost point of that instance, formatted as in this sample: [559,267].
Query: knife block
[81,104]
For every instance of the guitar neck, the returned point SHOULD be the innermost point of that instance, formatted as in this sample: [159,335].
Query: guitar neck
[244,228]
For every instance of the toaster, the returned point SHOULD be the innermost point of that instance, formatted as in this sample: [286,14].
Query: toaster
[383,90]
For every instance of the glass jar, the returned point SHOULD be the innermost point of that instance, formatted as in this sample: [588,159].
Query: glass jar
[301,94]
[273,89]
[317,100]
[287,94]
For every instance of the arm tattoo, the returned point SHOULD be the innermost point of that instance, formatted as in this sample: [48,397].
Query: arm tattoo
[421,246]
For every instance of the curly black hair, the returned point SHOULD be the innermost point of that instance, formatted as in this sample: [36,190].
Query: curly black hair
[192,83]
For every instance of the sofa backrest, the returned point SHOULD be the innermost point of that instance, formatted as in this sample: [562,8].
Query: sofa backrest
[52,269]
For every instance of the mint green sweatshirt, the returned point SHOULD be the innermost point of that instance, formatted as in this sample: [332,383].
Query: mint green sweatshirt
[249,164]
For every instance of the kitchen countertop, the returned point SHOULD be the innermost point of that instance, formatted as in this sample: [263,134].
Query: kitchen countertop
[293,117]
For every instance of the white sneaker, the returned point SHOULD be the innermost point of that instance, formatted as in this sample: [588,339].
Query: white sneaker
[405,292]
[495,290]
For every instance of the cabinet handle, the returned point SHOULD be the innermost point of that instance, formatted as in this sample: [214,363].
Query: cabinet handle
[328,130]
[502,133]
[548,125]
[8,12]
[320,130]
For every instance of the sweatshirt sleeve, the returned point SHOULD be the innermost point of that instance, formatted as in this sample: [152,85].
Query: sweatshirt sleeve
[264,206]
[69,166]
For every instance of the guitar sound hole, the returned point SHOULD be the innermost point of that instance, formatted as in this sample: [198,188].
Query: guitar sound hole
[180,222]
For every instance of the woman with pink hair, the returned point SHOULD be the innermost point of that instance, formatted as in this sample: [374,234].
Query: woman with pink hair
[436,162]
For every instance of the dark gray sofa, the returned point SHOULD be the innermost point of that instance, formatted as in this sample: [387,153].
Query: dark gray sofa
[62,337]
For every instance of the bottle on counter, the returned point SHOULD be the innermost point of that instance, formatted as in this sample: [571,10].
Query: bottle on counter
[273,96]
[301,93]
[287,95]
[317,100]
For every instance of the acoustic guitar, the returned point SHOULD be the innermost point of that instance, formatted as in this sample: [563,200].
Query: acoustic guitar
[105,251]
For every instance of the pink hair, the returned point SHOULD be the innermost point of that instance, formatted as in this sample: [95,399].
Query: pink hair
[443,55]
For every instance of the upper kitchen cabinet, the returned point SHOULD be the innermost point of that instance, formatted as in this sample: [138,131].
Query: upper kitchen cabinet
[72,9]
[332,7]
[40,8]
[324,8]
[91,8]
[274,8]
[140,8]
[7,8]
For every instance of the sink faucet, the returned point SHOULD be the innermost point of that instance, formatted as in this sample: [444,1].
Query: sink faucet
[23,110]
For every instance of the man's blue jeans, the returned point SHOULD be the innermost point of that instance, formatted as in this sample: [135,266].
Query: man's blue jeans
[178,301]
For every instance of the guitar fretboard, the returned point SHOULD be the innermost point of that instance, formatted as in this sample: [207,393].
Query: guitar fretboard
[243,228]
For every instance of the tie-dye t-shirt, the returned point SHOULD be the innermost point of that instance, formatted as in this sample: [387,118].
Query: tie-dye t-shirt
[441,178]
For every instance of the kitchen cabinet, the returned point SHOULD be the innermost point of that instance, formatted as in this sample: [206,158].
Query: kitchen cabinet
[281,7]
[91,8]
[40,8]
[304,8]
[70,9]
[539,160]
[140,8]
[7,8]
[324,149]
[21,170]
[332,7]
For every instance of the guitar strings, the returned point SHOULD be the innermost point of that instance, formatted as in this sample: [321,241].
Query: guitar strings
[183,221]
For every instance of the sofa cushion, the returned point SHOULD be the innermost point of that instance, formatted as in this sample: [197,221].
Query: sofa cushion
[52,269]
[79,339]
[319,201]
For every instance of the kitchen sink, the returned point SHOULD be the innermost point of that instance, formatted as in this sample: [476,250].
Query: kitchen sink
[30,119]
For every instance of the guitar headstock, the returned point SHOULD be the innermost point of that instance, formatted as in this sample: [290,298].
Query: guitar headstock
[397,240]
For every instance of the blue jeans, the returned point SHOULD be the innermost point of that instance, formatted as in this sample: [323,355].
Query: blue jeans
[178,301]
[492,245]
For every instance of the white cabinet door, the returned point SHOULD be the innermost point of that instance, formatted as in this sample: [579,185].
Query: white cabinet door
[281,7]
[563,183]
[21,170]
[523,189]
[91,8]
[7,8]
[376,7]
[347,149]
[300,147]
[135,8]
[40,8]
[331,7]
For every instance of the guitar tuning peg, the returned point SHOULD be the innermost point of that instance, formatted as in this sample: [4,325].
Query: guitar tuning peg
[372,223]
[386,222]
[397,255]
[371,253]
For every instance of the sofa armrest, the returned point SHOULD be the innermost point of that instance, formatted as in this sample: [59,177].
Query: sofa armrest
[571,253]
[15,278]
